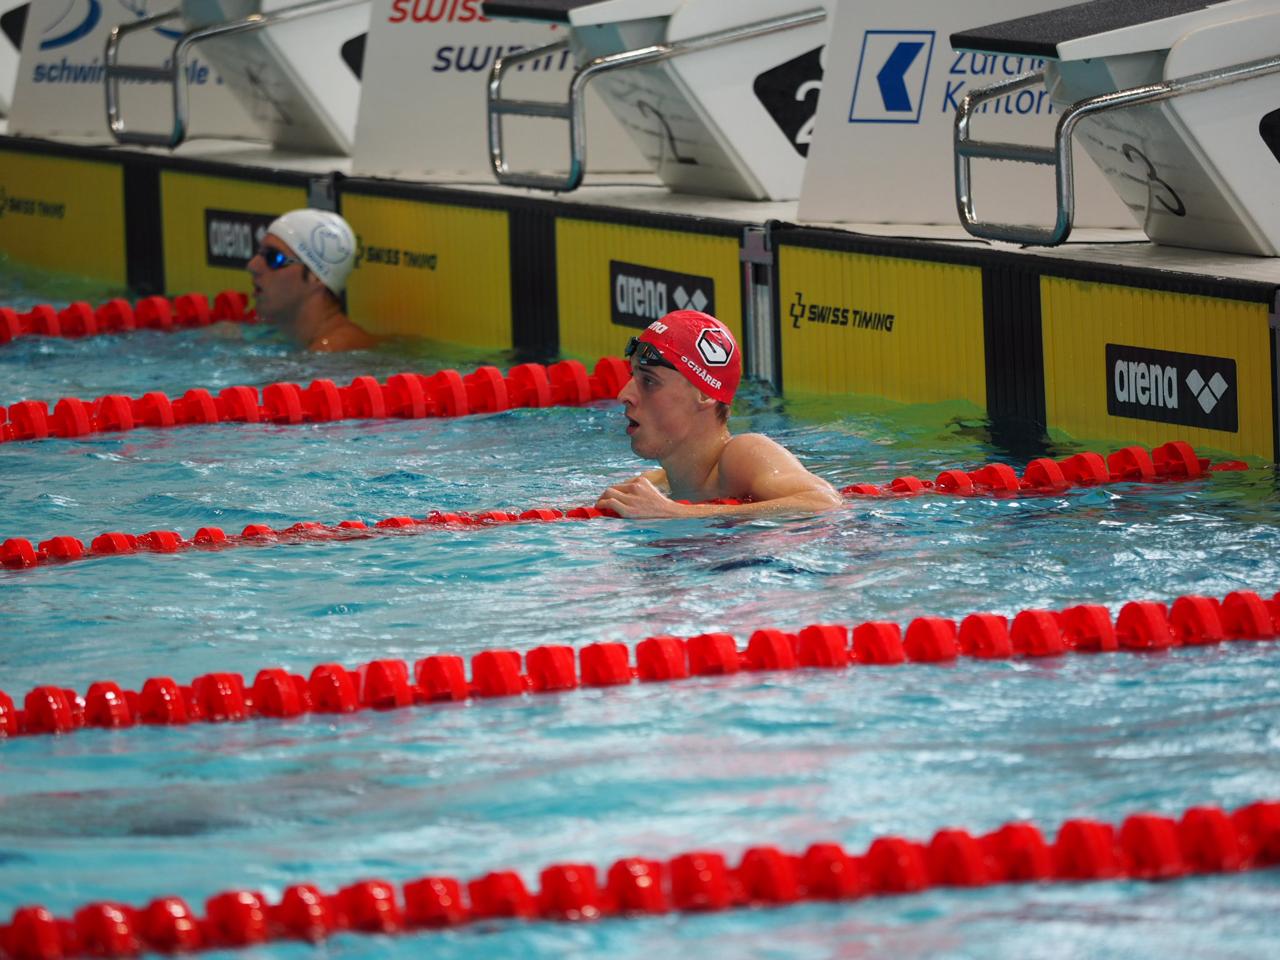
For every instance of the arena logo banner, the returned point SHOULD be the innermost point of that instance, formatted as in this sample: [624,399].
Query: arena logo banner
[1189,389]
[232,237]
[881,150]
[639,294]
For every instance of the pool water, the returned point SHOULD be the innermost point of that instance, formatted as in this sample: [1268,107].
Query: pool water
[593,775]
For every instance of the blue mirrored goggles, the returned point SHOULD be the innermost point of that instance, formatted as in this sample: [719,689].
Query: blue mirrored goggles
[276,259]
[647,354]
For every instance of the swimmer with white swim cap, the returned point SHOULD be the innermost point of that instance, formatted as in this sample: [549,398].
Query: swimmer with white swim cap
[685,369]
[299,274]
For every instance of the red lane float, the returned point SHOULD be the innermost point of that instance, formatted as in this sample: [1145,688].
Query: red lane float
[1172,461]
[80,319]
[1140,626]
[404,395]
[18,553]
[1145,846]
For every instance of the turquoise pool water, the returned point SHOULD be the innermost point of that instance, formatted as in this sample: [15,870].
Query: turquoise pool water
[589,776]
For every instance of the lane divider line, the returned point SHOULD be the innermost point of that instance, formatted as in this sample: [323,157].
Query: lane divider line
[1142,626]
[80,319]
[1204,840]
[408,396]
[1172,462]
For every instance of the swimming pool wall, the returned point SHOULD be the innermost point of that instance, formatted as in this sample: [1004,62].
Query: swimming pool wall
[1096,351]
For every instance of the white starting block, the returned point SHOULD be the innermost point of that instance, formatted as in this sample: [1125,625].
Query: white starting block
[280,58]
[719,96]
[1178,101]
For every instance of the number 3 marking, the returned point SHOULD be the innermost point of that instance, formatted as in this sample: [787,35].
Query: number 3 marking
[1132,154]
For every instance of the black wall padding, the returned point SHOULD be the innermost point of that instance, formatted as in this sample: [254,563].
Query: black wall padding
[535,307]
[1039,34]
[1014,344]
[143,230]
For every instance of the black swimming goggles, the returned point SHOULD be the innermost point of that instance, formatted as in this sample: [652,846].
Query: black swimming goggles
[276,259]
[647,354]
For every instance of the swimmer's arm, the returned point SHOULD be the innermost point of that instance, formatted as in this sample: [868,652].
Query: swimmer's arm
[754,468]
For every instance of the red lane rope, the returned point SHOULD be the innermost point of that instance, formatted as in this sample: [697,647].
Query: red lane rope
[404,395]
[1146,846]
[1173,461]
[80,319]
[1140,626]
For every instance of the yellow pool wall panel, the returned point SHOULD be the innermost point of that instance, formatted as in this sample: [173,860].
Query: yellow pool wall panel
[902,329]
[589,254]
[1081,318]
[64,214]
[190,203]
[430,269]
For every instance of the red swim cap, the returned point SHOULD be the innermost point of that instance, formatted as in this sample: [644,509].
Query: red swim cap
[700,347]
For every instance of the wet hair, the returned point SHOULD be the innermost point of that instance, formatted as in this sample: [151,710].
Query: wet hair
[722,412]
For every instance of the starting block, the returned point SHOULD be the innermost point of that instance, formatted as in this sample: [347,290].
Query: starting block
[719,97]
[275,55]
[1175,100]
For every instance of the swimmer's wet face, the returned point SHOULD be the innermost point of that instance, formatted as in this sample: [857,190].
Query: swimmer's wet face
[278,283]
[661,408]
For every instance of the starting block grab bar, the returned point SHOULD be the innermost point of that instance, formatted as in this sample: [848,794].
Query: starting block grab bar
[174,72]
[1059,155]
[573,110]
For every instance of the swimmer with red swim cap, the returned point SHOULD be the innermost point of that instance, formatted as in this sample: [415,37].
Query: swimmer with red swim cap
[685,370]
[299,273]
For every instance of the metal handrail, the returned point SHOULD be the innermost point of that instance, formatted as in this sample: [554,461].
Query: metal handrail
[574,110]
[1059,155]
[175,73]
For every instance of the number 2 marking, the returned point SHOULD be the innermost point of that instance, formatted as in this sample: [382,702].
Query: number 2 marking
[805,134]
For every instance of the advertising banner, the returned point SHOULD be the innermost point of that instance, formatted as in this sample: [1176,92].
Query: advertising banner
[615,279]
[65,214]
[433,270]
[1202,373]
[906,330]
[422,103]
[882,145]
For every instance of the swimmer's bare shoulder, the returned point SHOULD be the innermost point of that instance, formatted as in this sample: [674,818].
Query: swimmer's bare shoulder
[757,468]
[346,337]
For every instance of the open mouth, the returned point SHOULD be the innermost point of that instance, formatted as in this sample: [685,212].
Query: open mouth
[631,425]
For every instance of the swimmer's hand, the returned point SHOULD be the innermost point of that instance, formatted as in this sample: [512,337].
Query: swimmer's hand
[639,499]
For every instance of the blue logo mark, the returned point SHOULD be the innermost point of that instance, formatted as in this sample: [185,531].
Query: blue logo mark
[892,73]
[70,34]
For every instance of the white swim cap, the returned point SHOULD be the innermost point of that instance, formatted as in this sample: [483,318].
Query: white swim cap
[323,241]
